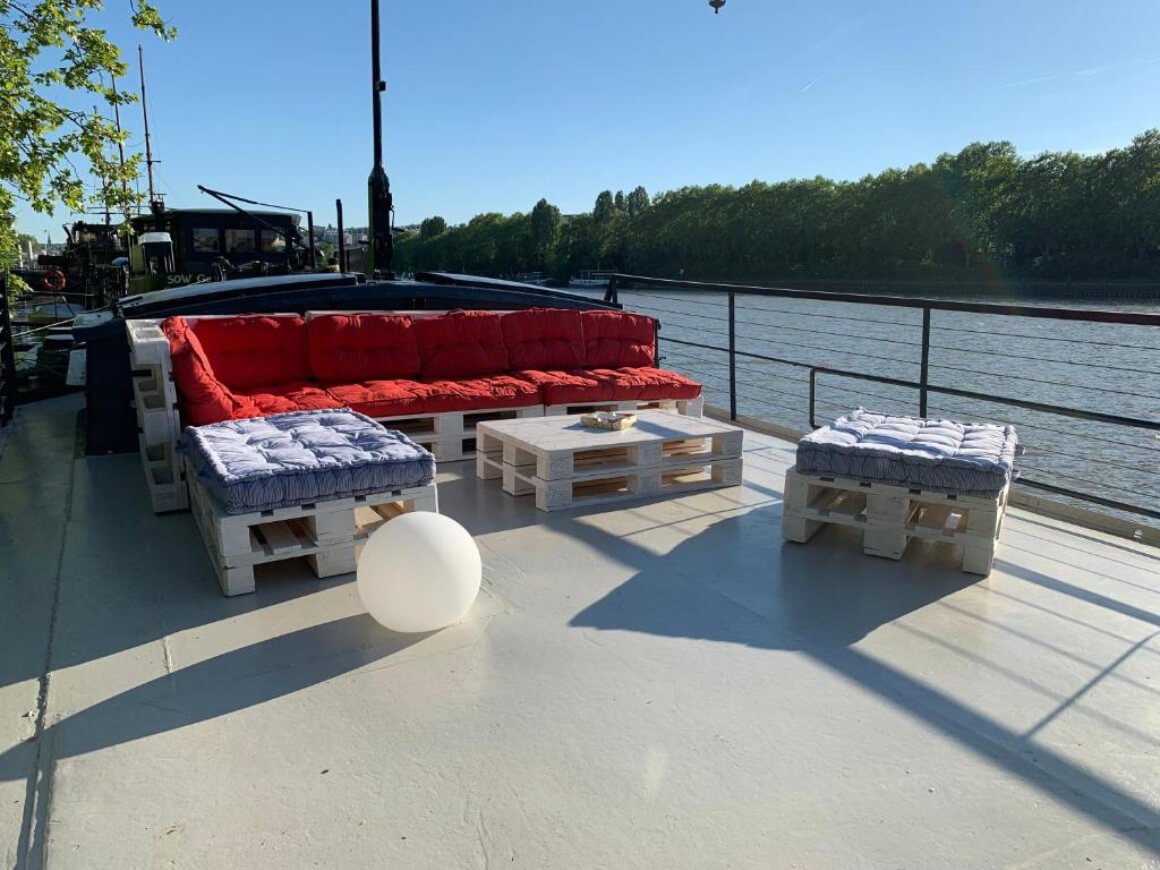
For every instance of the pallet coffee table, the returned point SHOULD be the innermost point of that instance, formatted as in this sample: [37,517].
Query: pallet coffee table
[567,464]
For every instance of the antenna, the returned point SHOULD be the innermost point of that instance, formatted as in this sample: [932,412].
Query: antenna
[149,161]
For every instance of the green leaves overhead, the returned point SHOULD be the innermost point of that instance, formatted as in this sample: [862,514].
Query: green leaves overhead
[970,215]
[50,139]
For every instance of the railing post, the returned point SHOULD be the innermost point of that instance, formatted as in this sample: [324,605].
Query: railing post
[923,381]
[732,355]
[610,294]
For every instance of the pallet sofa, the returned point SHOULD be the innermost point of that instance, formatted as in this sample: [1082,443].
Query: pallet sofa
[430,375]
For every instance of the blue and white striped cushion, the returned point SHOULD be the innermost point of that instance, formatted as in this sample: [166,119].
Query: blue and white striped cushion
[937,455]
[283,460]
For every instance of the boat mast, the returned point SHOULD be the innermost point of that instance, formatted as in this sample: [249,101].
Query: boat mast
[382,246]
[120,146]
[154,202]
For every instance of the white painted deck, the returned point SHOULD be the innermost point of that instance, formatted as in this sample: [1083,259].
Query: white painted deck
[658,685]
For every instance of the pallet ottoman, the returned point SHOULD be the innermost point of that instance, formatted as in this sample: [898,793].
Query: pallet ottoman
[265,489]
[900,478]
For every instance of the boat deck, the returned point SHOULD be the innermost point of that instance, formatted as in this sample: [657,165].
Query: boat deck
[663,684]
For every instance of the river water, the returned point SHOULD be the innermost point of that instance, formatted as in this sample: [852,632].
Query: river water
[1110,368]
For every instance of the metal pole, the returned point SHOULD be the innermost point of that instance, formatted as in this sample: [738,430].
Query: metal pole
[341,237]
[120,148]
[732,356]
[610,291]
[381,251]
[923,381]
[310,240]
[149,161]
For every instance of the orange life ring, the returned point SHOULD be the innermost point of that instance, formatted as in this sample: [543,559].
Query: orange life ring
[54,281]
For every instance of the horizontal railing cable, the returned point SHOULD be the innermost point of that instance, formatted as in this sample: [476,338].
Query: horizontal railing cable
[1030,311]
[992,334]
[1029,379]
[1068,362]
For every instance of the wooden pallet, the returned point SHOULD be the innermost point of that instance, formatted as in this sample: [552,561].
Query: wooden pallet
[688,407]
[604,487]
[451,436]
[158,426]
[891,516]
[564,467]
[324,533]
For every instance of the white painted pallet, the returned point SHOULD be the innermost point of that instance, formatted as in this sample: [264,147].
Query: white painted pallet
[688,407]
[325,533]
[451,436]
[566,464]
[606,487]
[158,424]
[891,516]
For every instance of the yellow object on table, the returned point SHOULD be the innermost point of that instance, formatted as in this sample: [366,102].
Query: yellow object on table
[611,420]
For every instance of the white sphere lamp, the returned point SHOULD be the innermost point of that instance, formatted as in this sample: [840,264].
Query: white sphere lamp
[419,572]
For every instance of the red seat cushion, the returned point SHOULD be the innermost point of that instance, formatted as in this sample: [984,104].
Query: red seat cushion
[349,348]
[283,398]
[254,350]
[202,398]
[403,398]
[544,338]
[460,344]
[636,384]
[616,338]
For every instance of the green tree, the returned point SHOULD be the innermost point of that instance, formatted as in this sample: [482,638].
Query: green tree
[637,201]
[604,207]
[976,214]
[50,52]
[432,227]
[545,227]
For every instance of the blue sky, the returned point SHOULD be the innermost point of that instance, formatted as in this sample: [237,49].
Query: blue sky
[492,105]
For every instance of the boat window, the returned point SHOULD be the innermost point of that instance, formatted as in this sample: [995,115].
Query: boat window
[272,242]
[239,241]
[205,240]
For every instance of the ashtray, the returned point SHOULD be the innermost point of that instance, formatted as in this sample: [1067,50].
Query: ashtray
[611,420]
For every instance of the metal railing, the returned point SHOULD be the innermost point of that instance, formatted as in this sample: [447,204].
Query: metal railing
[705,309]
[7,357]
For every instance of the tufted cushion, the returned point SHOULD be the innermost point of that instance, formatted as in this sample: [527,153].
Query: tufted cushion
[308,456]
[544,338]
[460,344]
[616,338]
[348,348]
[255,350]
[939,455]
[203,398]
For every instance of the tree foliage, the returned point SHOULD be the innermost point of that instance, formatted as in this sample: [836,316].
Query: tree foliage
[970,215]
[432,227]
[53,59]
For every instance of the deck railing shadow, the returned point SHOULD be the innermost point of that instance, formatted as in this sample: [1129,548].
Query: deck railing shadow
[216,687]
[821,600]
[156,581]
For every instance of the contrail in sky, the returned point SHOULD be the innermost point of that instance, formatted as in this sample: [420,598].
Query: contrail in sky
[1080,73]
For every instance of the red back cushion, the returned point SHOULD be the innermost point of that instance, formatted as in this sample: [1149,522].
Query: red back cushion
[352,348]
[203,398]
[255,350]
[616,338]
[544,339]
[460,344]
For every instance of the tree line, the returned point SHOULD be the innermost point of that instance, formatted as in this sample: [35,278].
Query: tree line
[985,210]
